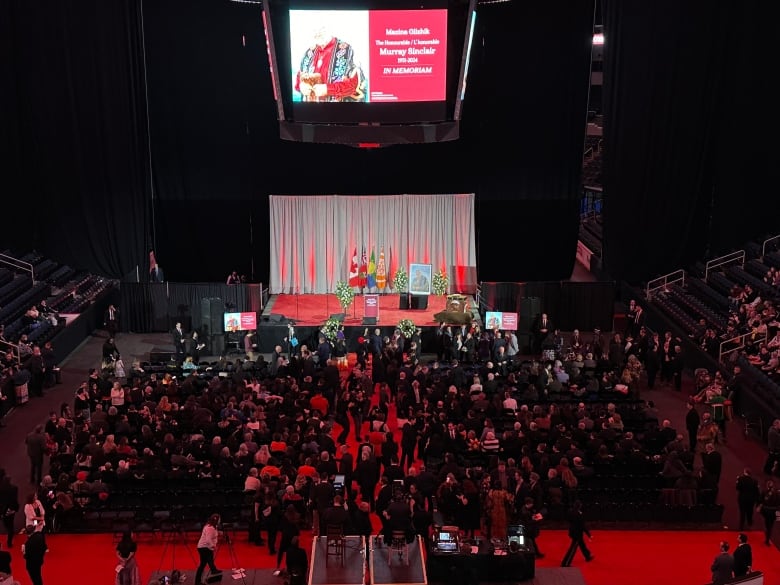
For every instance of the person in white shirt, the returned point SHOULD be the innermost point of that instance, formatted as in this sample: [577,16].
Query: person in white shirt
[207,545]
[509,402]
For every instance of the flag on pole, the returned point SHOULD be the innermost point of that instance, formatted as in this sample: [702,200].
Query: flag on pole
[390,275]
[371,274]
[363,269]
[381,270]
[354,278]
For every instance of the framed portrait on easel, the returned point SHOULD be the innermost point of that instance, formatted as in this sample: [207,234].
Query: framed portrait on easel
[420,279]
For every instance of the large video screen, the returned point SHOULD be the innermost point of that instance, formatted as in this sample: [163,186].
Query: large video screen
[358,62]
[368,55]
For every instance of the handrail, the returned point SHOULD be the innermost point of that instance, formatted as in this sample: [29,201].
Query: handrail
[766,243]
[19,265]
[13,346]
[663,282]
[728,259]
[740,344]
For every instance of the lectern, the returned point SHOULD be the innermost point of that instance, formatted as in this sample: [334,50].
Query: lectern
[370,309]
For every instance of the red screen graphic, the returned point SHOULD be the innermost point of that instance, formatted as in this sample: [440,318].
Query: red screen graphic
[408,55]
[240,321]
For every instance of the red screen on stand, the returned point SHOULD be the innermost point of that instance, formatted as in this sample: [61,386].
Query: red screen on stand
[240,322]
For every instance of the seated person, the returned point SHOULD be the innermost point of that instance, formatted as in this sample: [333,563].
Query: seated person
[398,518]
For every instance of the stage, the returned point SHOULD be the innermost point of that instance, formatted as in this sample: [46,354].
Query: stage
[308,312]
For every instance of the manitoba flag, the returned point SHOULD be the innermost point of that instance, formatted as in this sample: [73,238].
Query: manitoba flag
[381,271]
[354,277]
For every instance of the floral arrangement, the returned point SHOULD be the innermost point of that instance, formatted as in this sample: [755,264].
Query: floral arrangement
[400,280]
[440,284]
[330,329]
[345,294]
[407,327]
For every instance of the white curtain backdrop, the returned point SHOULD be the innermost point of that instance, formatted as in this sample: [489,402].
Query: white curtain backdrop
[313,238]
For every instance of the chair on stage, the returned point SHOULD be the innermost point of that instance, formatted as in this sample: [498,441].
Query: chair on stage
[398,545]
[334,539]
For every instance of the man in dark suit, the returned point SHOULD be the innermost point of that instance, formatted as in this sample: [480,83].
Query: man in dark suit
[178,342]
[34,551]
[542,328]
[723,565]
[9,506]
[335,515]
[743,556]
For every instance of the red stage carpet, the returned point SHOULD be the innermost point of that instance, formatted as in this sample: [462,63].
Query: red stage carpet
[314,310]
[621,557]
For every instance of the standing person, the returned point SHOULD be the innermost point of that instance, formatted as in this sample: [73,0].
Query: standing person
[773,445]
[577,531]
[207,545]
[178,342]
[111,320]
[289,527]
[723,565]
[532,519]
[9,506]
[748,496]
[769,503]
[34,550]
[155,270]
[125,554]
[297,562]
[692,422]
[34,513]
[743,556]
[36,449]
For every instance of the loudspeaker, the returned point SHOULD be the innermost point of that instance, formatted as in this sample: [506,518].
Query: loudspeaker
[419,302]
[403,301]
[277,318]
[369,320]
[212,316]
[530,309]
[214,578]
[339,316]
[216,345]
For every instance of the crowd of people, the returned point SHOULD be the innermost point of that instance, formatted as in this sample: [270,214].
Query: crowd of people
[481,445]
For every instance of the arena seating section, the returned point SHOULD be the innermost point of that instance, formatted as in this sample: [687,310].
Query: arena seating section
[706,295]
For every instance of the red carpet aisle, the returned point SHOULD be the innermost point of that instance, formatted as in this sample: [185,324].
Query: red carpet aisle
[622,558]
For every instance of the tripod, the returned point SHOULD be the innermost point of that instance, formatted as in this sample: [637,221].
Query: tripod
[238,572]
[173,537]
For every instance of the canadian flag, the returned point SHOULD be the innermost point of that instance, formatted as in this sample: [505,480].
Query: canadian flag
[354,277]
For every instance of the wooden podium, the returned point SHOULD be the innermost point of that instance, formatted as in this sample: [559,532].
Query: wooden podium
[456,303]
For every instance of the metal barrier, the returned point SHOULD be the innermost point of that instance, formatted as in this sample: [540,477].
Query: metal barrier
[727,260]
[739,344]
[663,282]
[7,345]
[767,243]
[18,264]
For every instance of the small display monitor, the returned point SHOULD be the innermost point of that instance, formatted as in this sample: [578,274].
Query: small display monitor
[447,541]
[516,533]
[240,322]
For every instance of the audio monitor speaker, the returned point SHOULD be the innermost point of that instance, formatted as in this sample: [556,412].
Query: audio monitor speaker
[212,316]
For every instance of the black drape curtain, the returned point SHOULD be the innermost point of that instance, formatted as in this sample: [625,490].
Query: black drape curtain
[683,109]
[149,307]
[570,305]
[75,117]
[77,123]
